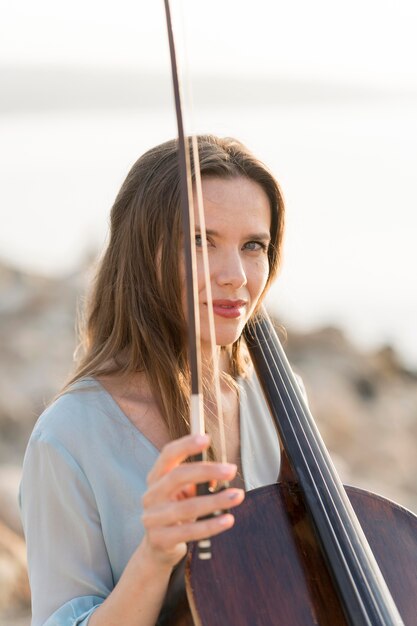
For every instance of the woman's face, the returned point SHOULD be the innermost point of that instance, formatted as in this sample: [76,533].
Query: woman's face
[238,221]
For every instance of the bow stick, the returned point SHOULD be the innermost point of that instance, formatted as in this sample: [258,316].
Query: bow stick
[196,413]
[190,261]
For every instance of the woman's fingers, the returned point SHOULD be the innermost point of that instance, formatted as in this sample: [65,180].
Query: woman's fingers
[166,538]
[172,484]
[171,513]
[176,452]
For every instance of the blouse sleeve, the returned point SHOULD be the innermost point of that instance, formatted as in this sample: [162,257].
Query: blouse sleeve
[69,569]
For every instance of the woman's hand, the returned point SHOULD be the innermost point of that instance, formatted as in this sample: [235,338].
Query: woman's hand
[171,506]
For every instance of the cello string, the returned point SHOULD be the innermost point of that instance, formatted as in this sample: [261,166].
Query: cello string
[314,432]
[296,393]
[359,535]
[387,605]
[367,552]
[290,422]
[336,540]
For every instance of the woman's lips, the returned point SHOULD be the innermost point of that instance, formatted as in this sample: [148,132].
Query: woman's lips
[229,308]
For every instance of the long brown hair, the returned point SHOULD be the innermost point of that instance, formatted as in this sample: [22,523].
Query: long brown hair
[134,319]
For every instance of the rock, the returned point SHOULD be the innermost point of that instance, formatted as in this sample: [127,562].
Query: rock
[9,488]
[14,584]
[37,335]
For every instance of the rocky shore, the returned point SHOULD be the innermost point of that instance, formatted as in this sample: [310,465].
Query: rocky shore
[365,404]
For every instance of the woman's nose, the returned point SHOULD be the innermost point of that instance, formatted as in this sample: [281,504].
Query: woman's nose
[230,270]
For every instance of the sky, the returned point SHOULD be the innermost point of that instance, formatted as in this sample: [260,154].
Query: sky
[362,39]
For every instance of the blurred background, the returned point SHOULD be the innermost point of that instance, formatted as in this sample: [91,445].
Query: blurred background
[325,93]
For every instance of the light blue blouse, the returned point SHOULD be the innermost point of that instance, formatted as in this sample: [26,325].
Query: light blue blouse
[84,476]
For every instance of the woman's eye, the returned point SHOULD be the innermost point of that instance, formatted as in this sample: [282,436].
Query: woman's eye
[255,246]
[199,241]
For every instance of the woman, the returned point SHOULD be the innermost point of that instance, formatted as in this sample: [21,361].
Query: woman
[108,499]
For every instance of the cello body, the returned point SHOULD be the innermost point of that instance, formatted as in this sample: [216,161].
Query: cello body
[269,570]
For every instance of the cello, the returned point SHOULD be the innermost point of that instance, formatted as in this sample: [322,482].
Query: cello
[304,551]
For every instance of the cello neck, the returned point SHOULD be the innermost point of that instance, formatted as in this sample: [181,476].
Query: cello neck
[365,597]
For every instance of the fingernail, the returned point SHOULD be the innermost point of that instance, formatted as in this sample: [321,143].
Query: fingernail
[200,439]
[226,468]
[224,520]
[235,494]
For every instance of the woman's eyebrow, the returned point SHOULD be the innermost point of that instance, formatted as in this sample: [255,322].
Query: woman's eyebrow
[263,235]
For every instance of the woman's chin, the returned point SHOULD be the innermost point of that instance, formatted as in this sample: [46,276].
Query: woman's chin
[224,336]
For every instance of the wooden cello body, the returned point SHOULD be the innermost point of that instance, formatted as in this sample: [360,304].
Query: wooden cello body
[270,570]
